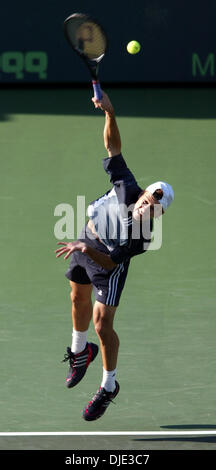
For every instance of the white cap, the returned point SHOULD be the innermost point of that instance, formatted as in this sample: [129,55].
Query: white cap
[168,193]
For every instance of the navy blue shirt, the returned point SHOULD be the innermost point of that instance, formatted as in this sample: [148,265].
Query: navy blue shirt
[112,213]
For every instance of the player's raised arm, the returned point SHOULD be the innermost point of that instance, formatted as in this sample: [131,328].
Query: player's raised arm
[112,139]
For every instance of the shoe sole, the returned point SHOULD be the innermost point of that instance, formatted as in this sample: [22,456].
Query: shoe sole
[87,417]
[94,355]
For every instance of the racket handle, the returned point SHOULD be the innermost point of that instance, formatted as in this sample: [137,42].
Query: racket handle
[97,90]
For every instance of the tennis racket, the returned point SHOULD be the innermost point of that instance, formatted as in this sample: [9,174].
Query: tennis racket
[88,39]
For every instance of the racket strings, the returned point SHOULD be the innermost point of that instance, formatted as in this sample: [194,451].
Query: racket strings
[87,38]
[93,43]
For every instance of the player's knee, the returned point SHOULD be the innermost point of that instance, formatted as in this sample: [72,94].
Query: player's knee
[78,298]
[103,327]
[101,331]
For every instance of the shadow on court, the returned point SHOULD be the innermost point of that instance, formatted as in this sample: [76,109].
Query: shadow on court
[192,427]
[186,439]
[181,103]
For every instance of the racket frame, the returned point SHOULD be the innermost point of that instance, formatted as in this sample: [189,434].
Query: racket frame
[93,65]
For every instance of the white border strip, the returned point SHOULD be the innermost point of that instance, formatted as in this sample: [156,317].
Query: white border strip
[109,433]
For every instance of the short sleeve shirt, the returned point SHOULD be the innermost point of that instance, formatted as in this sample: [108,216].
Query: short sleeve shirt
[112,213]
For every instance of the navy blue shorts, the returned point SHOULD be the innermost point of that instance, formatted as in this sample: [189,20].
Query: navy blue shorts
[107,285]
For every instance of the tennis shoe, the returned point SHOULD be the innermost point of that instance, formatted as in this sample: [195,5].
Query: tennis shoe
[99,403]
[79,363]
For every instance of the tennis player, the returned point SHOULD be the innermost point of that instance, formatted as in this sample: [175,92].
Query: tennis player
[100,259]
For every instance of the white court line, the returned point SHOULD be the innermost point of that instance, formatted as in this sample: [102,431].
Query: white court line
[109,433]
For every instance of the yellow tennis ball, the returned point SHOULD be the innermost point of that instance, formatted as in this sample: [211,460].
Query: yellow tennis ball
[133,47]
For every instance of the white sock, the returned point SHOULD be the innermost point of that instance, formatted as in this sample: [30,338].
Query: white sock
[79,340]
[108,381]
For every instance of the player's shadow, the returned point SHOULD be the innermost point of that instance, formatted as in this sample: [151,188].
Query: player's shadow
[180,103]
[193,427]
[186,438]
[206,439]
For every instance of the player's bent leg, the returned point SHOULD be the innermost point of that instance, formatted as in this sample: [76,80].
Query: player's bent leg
[81,353]
[103,317]
[81,305]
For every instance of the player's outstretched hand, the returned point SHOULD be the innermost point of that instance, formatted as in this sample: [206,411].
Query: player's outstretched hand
[69,248]
[104,104]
